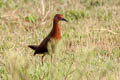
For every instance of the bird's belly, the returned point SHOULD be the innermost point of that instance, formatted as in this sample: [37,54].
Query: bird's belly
[53,45]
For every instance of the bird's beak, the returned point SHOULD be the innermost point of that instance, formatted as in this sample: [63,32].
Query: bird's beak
[64,20]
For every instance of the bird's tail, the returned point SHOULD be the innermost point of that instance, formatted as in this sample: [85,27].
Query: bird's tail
[34,47]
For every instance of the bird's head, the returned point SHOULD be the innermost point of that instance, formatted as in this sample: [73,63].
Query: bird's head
[59,17]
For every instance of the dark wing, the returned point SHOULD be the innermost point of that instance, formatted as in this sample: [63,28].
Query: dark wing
[42,48]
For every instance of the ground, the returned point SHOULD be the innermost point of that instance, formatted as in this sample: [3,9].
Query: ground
[90,45]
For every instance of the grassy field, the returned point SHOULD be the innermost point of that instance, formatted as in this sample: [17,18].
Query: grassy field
[90,46]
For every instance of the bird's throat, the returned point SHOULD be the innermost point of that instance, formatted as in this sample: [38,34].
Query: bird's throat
[56,30]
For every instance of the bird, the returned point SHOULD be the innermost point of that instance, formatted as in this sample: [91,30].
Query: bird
[55,35]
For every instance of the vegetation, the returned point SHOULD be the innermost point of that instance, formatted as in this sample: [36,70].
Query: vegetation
[90,46]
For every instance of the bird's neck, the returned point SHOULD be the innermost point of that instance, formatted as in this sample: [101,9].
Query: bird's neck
[56,30]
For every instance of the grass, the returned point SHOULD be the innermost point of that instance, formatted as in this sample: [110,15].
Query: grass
[90,46]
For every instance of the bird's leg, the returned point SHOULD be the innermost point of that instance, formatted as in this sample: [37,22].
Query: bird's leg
[42,58]
[51,58]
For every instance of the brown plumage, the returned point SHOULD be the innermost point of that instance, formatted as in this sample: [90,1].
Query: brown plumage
[55,34]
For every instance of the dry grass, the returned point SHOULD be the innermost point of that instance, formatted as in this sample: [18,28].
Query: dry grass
[90,47]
